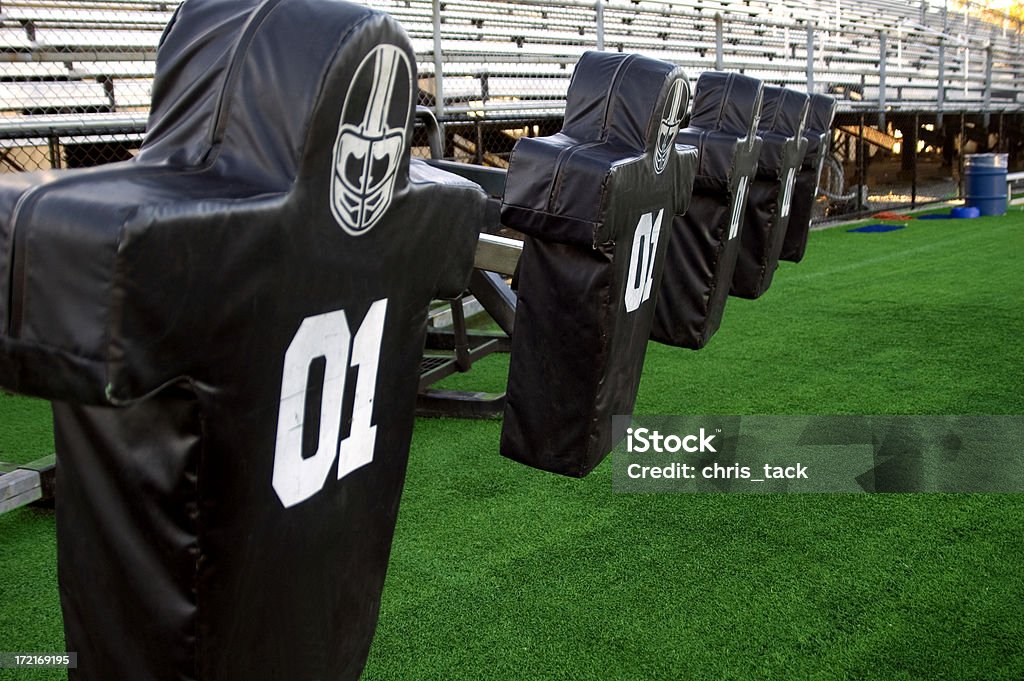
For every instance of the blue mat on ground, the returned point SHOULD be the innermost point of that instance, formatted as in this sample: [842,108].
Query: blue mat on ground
[958,213]
[877,228]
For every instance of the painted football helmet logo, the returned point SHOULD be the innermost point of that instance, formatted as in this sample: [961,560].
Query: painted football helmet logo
[669,127]
[371,139]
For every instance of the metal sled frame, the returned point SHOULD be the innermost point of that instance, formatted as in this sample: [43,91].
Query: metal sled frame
[496,257]
[26,484]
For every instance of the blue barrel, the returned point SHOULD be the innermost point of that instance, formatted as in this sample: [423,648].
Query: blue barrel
[985,176]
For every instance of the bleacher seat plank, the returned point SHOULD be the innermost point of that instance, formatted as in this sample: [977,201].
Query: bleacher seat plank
[115,69]
[13,39]
[91,39]
[34,70]
[132,92]
[52,95]
[62,16]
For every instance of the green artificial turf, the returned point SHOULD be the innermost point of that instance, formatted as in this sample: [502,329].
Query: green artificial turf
[26,429]
[502,572]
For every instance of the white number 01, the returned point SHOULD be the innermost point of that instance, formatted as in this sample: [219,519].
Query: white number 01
[641,262]
[327,335]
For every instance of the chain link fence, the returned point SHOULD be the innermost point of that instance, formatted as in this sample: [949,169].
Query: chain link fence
[75,79]
[919,85]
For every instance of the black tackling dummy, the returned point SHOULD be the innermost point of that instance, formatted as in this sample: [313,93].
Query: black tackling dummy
[595,202]
[231,327]
[768,207]
[705,241]
[818,134]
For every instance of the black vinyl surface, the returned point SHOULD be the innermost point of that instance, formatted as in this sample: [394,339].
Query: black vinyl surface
[231,326]
[818,134]
[705,240]
[595,202]
[783,115]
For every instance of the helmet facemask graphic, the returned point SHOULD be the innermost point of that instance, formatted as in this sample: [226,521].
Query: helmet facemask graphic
[371,139]
[669,126]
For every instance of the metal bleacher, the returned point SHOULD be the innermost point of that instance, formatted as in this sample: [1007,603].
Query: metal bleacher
[87,65]
[82,68]
[873,54]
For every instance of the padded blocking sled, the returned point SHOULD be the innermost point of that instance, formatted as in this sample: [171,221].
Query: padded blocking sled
[705,241]
[818,134]
[595,202]
[769,201]
[231,325]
